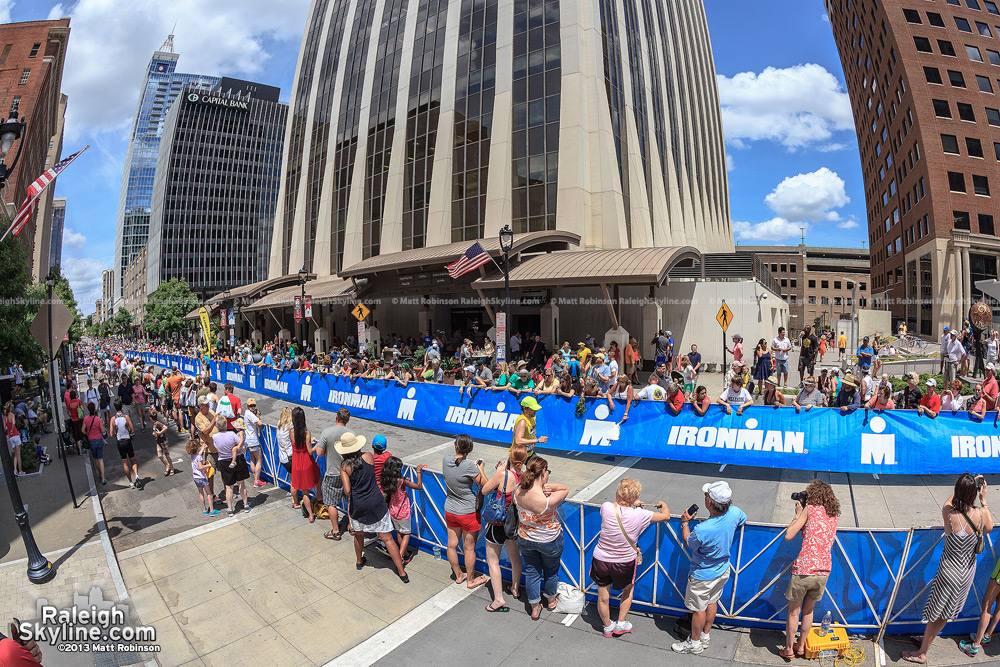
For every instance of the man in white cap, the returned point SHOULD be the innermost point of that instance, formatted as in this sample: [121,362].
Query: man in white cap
[710,544]
[954,353]
[930,403]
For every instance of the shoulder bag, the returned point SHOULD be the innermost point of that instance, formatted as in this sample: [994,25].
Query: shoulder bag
[494,508]
[980,540]
[638,551]
[511,522]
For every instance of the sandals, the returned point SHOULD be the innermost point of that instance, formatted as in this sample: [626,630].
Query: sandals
[552,604]
[908,657]
[502,609]
[330,535]
[783,653]
[536,612]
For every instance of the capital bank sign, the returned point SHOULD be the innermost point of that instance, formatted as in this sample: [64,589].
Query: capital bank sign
[226,102]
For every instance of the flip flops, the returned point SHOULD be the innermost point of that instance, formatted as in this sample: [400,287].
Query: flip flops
[330,535]
[502,609]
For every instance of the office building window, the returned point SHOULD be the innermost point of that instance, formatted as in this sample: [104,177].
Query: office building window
[961,219]
[981,185]
[923,44]
[812,301]
[984,83]
[963,24]
[912,16]
[994,56]
[825,284]
[941,109]
[986,224]
[956,79]
[983,29]
[973,53]
[24,76]
[812,284]
[993,116]
[950,143]
[946,48]
[932,75]
[34,49]
[996,150]
[956,181]
[837,284]
[965,111]
[974,147]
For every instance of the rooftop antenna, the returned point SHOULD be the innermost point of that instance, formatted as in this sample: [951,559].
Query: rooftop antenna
[802,231]
[168,45]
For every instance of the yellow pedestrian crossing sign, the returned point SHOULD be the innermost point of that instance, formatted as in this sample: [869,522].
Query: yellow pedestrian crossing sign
[360,312]
[724,317]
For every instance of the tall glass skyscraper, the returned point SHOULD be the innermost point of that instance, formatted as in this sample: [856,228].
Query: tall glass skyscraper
[159,90]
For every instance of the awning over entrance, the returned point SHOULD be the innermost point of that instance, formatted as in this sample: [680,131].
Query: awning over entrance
[246,292]
[626,266]
[436,257]
[322,291]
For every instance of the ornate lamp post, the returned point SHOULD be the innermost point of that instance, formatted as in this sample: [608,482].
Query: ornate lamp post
[506,243]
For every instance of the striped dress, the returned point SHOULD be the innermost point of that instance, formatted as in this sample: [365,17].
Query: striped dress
[954,577]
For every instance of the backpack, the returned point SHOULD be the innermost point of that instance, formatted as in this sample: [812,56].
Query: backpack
[225,408]
[494,507]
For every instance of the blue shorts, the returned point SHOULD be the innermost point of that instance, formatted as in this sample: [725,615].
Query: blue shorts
[781,366]
[661,359]
[96,449]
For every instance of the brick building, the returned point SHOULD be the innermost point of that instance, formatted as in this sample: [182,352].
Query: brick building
[32,55]
[924,84]
[135,286]
[49,226]
[820,284]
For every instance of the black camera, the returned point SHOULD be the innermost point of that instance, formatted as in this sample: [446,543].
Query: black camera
[800,497]
[980,481]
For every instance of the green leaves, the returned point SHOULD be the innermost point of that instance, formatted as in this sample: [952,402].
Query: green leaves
[19,303]
[167,306]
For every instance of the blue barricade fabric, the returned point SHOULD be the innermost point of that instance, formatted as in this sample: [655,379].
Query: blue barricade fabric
[893,442]
[866,564]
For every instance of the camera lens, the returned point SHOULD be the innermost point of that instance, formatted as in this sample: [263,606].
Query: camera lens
[800,497]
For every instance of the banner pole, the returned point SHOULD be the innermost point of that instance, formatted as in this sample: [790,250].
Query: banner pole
[895,588]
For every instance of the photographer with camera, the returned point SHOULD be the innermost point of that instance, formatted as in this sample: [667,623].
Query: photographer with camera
[816,515]
[709,544]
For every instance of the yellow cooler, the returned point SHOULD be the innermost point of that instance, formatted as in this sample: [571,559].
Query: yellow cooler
[828,645]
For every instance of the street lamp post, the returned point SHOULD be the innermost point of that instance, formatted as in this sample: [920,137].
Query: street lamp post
[506,243]
[302,304]
[11,130]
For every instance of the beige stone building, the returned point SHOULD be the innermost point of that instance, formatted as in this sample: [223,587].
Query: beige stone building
[135,286]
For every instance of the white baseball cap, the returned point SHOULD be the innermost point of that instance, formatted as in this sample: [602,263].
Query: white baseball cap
[931,382]
[991,366]
[718,491]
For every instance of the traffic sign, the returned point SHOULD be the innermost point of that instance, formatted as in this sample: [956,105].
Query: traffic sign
[724,317]
[307,308]
[297,309]
[362,335]
[360,312]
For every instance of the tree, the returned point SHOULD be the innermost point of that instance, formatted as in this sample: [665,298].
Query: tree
[167,306]
[122,323]
[19,303]
[63,290]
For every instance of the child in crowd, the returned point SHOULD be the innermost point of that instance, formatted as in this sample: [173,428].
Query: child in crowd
[162,449]
[42,458]
[201,470]
[394,487]
[381,456]
[689,375]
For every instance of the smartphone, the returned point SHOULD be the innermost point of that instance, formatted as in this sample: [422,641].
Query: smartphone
[693,510]
[15,631]
[479,462]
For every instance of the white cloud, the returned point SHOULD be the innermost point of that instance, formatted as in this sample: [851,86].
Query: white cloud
[848,224]
[84,276]
[112,40]
[730,162]
[795,106]
[775,229]
[824,17]
[73,239]
[809,196]
[5,6]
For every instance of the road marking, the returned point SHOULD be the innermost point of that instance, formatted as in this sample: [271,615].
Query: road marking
[395,635]
[109,551]
[50,554]
[413,458]
[595,487]
[195,532]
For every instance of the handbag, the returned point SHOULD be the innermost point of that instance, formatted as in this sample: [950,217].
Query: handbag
[980,540]
[494,508]
[638,551]
[511,523]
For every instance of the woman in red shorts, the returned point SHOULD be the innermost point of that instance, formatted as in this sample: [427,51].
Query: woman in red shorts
[460,509]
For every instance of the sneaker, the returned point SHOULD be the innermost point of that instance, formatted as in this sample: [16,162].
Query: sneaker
[609,631]
[687,646]
[246,508]
[131,485]
[704,639]
[230,512]
[104,481]
[205,512]
[212,513]
[623,628]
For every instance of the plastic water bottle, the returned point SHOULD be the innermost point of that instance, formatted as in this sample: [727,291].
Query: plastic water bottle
[438,555]
[827,619]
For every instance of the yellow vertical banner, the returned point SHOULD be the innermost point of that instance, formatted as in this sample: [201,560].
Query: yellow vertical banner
[206,327]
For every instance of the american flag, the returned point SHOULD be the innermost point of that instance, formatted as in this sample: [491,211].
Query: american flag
[473,258]
[36,189]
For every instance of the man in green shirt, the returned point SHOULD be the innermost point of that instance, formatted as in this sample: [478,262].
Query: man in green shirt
[522,381]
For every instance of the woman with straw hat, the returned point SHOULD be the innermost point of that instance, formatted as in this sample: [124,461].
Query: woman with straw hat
[366,508]
[771,395]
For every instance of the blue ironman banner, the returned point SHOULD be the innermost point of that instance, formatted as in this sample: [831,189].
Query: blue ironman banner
[821,439]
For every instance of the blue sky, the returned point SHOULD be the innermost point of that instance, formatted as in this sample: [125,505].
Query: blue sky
[790,141]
